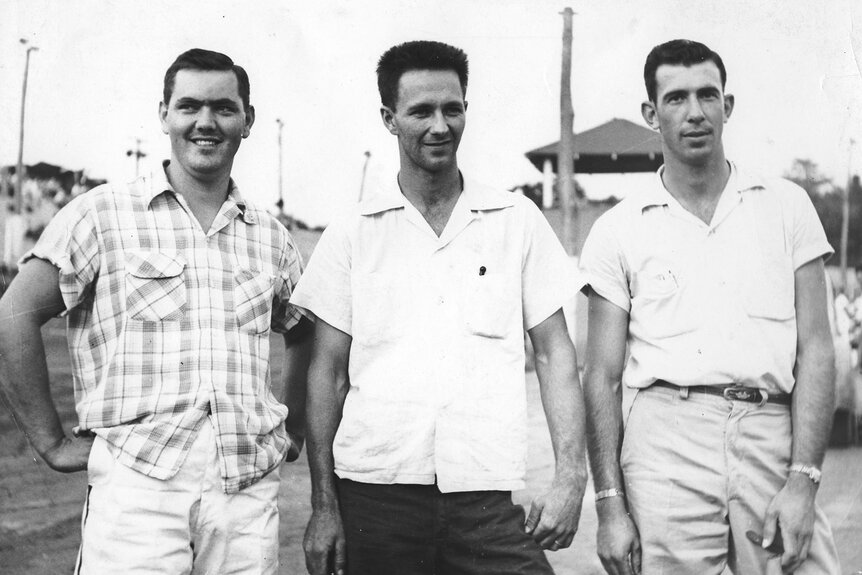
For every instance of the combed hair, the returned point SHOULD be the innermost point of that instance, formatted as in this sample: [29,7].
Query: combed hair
[678,52]
[200,59]
[417,55]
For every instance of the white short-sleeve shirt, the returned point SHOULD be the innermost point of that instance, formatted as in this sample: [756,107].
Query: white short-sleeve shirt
[436,365]
[708,303]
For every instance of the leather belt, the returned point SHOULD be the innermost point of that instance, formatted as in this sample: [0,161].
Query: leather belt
[732,392]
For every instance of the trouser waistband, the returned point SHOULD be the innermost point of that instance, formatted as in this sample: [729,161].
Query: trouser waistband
[731,392]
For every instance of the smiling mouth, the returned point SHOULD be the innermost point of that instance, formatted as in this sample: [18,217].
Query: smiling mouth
[205,142]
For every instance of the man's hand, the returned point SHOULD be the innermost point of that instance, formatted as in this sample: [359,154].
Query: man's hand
[793,508]
[324,544]
[295,446]
[617,540]
[69,454]
[554,516]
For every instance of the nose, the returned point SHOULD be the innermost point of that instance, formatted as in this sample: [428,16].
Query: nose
[205,118]
[438,124]
[695,110]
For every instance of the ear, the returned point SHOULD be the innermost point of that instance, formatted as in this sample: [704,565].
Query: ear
[249,120]
[387,114]
[649,114]
[163,116]
[729,102]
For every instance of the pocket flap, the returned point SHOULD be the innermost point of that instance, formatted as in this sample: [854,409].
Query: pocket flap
[154,265]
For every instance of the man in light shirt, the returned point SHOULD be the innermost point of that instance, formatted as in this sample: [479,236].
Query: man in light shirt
[417,408]
[713,280]
[170,286]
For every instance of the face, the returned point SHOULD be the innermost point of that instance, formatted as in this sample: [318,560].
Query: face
[428,118]
[206,122]
[690,111]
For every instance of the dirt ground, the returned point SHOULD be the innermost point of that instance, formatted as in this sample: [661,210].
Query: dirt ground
[40,509]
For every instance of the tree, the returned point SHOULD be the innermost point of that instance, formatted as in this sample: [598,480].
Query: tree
[827,199]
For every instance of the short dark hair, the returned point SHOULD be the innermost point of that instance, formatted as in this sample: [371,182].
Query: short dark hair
[200,59]
[418,55]
[676,52]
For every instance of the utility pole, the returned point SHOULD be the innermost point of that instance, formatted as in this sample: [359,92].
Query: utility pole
[138,154]
[845,216]
[19,171]
[566,150]
[364,170]
[280,202]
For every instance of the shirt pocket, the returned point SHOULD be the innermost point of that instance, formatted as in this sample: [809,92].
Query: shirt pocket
[491,301]
[156,289]
[662,305]
[380,309]
[769,288]
[253,293]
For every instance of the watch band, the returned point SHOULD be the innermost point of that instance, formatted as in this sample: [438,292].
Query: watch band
[812,472]
[612,492]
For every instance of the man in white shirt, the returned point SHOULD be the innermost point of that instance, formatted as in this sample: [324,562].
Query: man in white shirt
[417,407]
[707,295]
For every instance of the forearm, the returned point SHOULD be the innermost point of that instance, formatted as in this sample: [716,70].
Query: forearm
[326,394]
[562,400]
[296,363]
[603,399]
[24,381]
[813,402]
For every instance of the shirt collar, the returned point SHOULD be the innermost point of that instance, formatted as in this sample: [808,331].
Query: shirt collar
[657,195]
[234,206]
[475,196]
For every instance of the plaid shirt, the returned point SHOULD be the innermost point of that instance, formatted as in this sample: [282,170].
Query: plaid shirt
[168,325]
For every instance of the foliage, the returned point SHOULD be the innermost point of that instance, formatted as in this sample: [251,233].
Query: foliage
[828,201]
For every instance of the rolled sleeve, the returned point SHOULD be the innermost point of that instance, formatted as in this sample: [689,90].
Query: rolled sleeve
[70,242]
[602,267]
[325,287]
[808,240]
[549,277]
[284,314]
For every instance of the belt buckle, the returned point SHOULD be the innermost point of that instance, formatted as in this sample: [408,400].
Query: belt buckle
[740,393]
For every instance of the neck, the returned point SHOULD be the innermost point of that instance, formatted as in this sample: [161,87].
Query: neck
[699,182]
[199,191]
[427,189]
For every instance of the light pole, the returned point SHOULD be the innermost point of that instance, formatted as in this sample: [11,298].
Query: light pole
[280,202]
[364,170]
[19,172]
[845,216]
[138,154]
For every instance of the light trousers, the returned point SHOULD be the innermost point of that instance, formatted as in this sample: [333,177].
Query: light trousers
[699,472]
[135,524]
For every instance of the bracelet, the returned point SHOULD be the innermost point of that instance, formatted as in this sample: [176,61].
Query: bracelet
[612,492]
[812,472]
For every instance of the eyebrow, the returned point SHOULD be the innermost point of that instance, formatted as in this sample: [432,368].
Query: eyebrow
[211,103]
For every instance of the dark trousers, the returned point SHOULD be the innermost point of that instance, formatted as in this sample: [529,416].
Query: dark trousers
[417,530]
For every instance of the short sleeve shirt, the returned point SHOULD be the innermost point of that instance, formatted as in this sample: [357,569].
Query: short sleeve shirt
[168,325]
[708,304]
[436,366]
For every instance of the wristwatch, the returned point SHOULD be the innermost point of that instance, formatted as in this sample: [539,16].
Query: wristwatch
[812,472]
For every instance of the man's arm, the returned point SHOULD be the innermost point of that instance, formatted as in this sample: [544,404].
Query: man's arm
[554,516]
[617,539]
[811,416]
[297,354]
[32,299]
[327,389]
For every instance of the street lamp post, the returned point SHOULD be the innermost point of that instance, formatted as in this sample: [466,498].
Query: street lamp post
[138,153]
[280,202]
[364,170]
[19,172]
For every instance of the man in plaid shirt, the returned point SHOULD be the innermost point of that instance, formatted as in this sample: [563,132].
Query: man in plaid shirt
[170,287]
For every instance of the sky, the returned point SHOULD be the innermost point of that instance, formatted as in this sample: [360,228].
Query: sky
[95,82]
